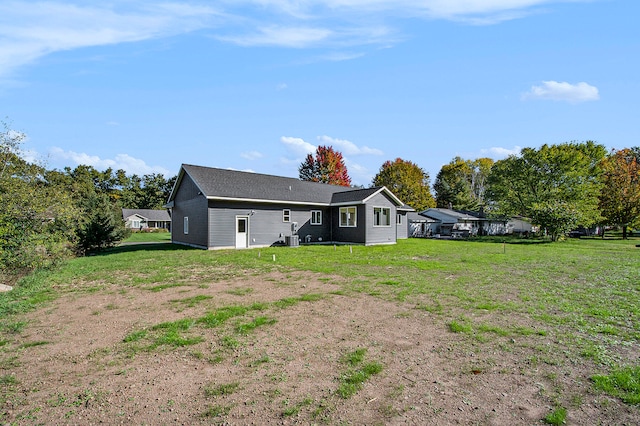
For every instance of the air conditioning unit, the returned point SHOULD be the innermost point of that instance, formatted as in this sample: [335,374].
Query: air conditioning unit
[292,240]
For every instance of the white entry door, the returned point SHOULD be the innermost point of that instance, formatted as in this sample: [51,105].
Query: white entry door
[242,231]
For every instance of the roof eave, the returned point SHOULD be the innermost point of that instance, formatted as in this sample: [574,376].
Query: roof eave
[266,201]
[388,192]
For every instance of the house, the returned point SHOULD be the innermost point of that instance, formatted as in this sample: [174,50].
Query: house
[218,209]
[452,223]
[420,226]
[146,219]
[520,226]
[456,223]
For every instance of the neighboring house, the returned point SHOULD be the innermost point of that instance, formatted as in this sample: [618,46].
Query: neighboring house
[457,223]
[521,226]
[146,219]
[451,223]
[216,209]
[421,226]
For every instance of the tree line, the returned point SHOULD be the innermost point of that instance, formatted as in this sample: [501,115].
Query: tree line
[558,187]
[48,215]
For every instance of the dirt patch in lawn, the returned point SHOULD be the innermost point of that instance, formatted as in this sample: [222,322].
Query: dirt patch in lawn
[286,358]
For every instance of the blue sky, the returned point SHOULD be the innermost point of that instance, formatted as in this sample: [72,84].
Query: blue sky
[256,84]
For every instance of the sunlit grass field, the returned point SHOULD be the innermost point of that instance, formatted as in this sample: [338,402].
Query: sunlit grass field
[150,237]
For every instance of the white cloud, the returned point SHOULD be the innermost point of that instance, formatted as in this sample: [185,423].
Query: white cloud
[341,56]
[29,31]
[498,153]
[563,91]
[281,86]
[121,161]
[297,37]
[360,175]
[298,146]
[251,155]
[31,156]
[348,147]
[470,11]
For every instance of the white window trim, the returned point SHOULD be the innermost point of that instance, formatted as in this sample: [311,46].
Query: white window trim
[355,217]
[286,215]
[388,216]
[398,219]
[186,225]
[317,214]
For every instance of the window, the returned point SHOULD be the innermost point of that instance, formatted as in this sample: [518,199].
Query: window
[398,219]
[348,217]
[286,215]
[381,216]
[186,224]
[316,217]
[135,224]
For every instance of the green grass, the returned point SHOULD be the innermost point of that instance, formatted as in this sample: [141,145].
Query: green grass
[246,327]
[358,372]
[460,326]
[190,302]
[8,379]
[176,333]
[294,410]
[623,383]
[148,237]
[557,417]
[221,390]
[217,411]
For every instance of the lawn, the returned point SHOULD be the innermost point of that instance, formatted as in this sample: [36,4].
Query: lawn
[562,318]
[148,237]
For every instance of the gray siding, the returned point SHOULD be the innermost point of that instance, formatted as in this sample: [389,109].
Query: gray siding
[188,203]
[266,225]
[380,234]
[403,226]
[355,235]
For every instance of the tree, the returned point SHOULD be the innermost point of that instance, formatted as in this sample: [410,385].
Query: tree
[101,225]
[620,196]
[461,184]
[407,181]
[36,218]
[551,179]
[558,217]
[327,166]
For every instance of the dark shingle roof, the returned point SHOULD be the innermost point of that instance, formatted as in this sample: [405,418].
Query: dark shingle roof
[233,184]
[353,195]
[222,183]
[149,214]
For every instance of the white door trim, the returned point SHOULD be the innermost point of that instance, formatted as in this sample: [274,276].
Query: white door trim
[242,238]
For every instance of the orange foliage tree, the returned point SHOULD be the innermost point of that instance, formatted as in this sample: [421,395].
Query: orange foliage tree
[326,166]
[620,196]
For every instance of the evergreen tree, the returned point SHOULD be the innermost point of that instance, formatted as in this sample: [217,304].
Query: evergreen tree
[101,225]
